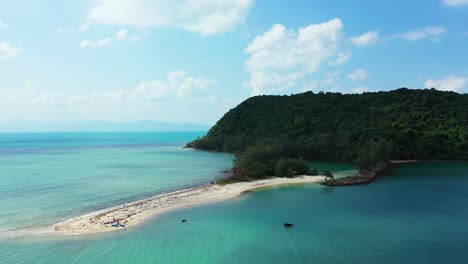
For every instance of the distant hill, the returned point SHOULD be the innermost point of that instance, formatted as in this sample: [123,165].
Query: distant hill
[399,124]
[98,126]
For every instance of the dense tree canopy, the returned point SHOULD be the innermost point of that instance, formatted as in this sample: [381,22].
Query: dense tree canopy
[363,128]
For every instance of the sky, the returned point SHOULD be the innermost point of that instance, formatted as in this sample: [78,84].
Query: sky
[193,60]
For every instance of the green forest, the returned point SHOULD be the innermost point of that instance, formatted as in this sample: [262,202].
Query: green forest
[277,135]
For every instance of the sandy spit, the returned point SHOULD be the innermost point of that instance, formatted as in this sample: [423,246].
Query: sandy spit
[134,213]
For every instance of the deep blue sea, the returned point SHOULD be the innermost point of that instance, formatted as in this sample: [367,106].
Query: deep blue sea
[416,214]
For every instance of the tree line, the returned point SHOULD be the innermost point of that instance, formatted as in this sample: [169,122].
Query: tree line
[278,135]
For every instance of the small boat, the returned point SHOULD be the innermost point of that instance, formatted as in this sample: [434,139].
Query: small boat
[122,225]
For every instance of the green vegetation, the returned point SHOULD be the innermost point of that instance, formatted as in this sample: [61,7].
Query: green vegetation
[328,175]
[287,167]
[275,135]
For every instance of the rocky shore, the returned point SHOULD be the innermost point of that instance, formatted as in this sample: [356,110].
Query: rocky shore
[363,177]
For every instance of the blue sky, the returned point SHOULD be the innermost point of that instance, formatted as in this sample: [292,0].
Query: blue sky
[191,61]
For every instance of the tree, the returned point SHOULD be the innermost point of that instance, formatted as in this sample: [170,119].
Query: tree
[314,172]
[374,152]
[282,169]
[328,175]
[366,129]
[257,161]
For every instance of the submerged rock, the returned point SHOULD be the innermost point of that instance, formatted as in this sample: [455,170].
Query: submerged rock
[288,225]
[183,221]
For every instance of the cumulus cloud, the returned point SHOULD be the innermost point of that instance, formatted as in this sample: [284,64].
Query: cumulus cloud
[367,39]
[280,57]
[177,84]
[8,51]
[433,33]
[115,104]
[121,35]
[455,3]
[358,75]
[201,16]
[341,58]
[451,83]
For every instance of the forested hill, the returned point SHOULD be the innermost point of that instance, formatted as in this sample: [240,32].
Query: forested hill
[399,124]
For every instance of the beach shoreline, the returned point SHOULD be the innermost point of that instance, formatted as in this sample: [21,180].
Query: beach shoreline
[134,213]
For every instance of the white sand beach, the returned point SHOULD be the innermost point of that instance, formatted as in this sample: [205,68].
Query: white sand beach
[131,214]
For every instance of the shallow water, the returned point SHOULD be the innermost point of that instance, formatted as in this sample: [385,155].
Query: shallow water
[48,177]
[416,214]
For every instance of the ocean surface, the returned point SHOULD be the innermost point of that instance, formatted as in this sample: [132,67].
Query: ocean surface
[416,214]
[48,177]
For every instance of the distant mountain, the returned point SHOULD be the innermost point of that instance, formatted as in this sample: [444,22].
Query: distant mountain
[98,126]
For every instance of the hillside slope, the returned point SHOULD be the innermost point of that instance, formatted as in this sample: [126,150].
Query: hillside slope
[399,124]
[276,134]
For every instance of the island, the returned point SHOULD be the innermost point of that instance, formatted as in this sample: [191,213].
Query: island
[274,138]
[279,135]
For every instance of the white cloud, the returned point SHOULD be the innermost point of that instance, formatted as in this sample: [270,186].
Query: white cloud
[360,89]
[137,103]
[280,57]
[433,33]
[85,27]
[451,83]
[328,80]
[86,43]
[331,78]
[341,58]
[201,16]
[2,25]
[121,35]
[8,51]
[367,39]
[177,84]
[455,3]
[358,75]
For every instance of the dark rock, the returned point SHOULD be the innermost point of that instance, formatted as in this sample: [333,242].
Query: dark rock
[288,225]
[365,177]
[183,221]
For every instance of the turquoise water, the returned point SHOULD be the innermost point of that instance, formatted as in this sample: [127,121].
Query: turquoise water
[417,214]
[48,177]
[339,170]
